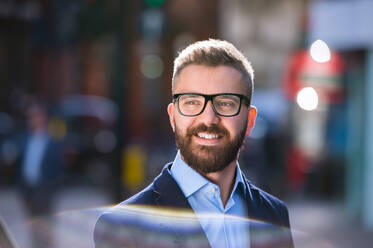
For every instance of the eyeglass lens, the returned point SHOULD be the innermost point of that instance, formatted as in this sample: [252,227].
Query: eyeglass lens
[227,105]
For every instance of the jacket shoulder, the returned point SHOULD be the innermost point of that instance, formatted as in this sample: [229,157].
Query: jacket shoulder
[118,217]
[146,196]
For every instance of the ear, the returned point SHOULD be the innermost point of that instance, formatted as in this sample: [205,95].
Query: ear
[251,120]
[170,111]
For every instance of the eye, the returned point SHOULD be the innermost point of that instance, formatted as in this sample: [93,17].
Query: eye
[226,103]
[191,102]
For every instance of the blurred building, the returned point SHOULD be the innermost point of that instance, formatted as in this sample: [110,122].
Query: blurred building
[56,51]
[345,26]
[104,69]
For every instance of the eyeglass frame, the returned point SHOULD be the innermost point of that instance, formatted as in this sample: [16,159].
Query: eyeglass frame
[175,98]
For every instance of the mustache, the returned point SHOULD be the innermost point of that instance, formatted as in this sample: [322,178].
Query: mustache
[216,129]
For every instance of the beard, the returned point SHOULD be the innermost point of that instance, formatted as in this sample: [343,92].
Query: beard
[207,159]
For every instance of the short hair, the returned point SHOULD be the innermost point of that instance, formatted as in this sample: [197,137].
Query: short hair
[214,52]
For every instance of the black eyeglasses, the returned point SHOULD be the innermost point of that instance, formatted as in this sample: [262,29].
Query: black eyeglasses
[226,104]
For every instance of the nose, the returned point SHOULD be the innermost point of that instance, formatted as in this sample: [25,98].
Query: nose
[208,116]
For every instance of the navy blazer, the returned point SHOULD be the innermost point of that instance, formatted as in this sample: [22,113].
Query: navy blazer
[51,168]
[269,225]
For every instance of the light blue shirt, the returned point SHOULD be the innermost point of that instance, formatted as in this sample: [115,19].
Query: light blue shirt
[35,148]
[224,226]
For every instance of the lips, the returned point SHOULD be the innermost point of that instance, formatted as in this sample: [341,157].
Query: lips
[208,136]
[207,139]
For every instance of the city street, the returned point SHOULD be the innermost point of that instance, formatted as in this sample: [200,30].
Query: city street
[323,224]
[88,93]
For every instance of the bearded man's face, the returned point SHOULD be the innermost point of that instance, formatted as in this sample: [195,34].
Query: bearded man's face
[209,142]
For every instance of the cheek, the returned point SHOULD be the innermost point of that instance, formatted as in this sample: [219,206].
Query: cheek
[182,123]
[235,127]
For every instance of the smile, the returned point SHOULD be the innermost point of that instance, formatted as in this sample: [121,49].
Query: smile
[208,139]
[208,136]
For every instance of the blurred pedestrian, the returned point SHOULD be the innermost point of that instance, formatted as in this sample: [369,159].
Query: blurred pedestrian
[210,115]
[39,170]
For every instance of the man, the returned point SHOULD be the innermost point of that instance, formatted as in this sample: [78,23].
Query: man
[39,170]
[210,115]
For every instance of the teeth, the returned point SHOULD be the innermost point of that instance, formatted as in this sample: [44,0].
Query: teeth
[208,136]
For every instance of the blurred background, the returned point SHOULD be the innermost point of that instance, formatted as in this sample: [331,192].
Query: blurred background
[84,90]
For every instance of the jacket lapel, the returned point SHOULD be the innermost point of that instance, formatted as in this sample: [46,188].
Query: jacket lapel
[171,196]
[255,212]
[262,225]
[169,193]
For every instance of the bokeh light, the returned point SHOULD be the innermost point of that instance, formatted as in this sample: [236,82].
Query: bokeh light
[105,141]
[152,66]
[308,99]
[320,51]
[154,3]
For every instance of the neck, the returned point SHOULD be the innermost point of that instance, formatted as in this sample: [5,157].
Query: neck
[225,180]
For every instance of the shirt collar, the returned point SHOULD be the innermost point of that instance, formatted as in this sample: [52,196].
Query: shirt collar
[191,181]
[187,178]
[239,183]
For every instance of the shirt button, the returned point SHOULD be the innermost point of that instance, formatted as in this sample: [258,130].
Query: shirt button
[213,189]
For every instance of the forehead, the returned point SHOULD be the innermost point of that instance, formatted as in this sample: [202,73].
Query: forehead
[209,80]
